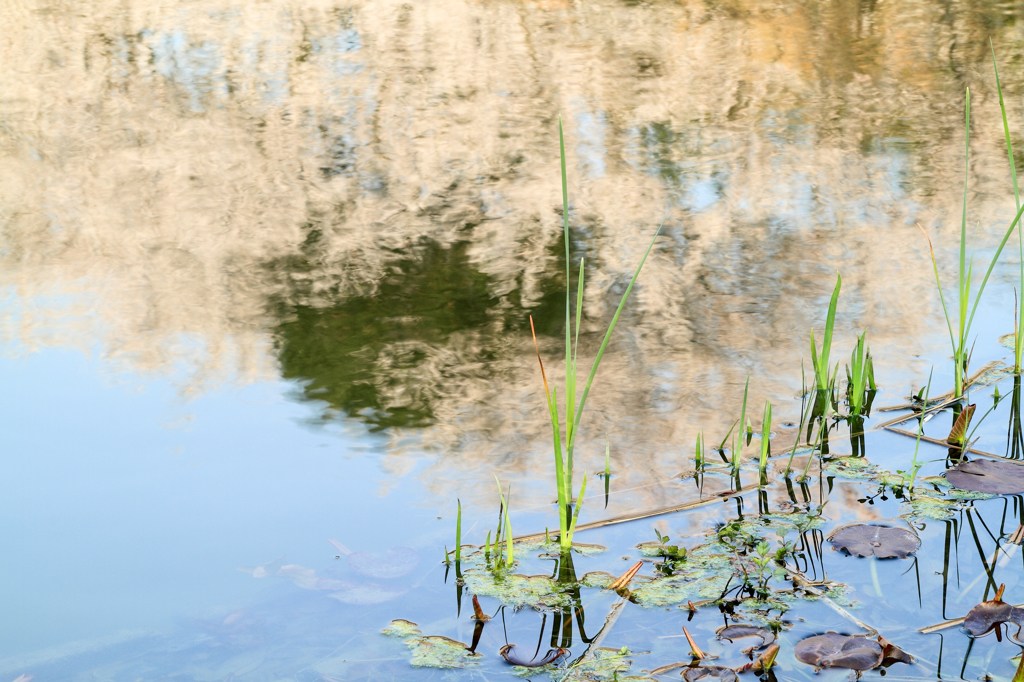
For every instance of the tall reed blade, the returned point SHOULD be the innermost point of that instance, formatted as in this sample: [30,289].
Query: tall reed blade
[742,432]
[458,532]
[820,361]
[766,428]
[564,463]
[1018,331]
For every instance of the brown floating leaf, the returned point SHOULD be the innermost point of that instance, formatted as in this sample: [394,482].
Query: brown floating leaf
[958,434]
[893,654]
[833,650]
[734,632]
[762,663]
[988,476]
[880,541]
[710,673]
[989,615]
[399,561]
[512,654]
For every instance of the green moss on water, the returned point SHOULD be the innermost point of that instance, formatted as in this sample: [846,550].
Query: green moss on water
[402,629]
[861,469]
[600,579]
[436,651]
[606,665]
[516,590]
[936,499]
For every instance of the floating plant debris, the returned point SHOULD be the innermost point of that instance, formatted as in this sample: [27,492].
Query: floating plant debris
[882,542]
[989,615]
[402,628]
[437,651]
[988,476]
[710,673]
[832,650]
[516,655]
[398,562]
[892,653]
[733,632]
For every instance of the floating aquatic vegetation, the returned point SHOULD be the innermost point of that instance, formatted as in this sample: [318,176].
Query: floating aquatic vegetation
[601,580]
[519,656]
[987,616]
[431,651]
[861,469]
[882,542]
[437,651]
[988,476]
[832,650]
[516,590]
[402,628]
[605,665]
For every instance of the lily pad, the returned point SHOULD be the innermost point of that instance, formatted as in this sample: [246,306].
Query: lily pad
[734,632]
[988,476]
[710,673]
[832,650]
[989,615]
[522,657]
[399,561]
[883,542]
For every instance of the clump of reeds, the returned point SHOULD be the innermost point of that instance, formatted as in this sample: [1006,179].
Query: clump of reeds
[564,449]
[967,303]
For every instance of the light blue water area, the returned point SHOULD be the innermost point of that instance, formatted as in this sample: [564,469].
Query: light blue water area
[128,510]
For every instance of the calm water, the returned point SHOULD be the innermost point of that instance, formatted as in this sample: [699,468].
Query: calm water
[266,274]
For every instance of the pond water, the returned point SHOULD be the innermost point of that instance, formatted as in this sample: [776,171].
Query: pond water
[267,272]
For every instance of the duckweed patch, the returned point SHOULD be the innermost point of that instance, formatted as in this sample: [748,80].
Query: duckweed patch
[402,629]
[437,651]
[861,469]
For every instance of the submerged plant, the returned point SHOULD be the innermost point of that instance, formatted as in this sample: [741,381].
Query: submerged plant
[563,450]
[959,333]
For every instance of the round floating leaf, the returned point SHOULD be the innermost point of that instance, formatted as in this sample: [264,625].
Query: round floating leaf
[833,650]
[734,632]
[989,615]
[522,657]
[988,476]
[399,561]
[710,673]
[880,541]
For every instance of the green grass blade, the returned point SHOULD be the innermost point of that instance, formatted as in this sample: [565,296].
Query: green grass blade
[992,266]
[570,379]
[458,532]
[559,472]
[743,428]
[963,218]
[608,334]
[766,427]
[830,323]
[576,512]
[1018,332]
